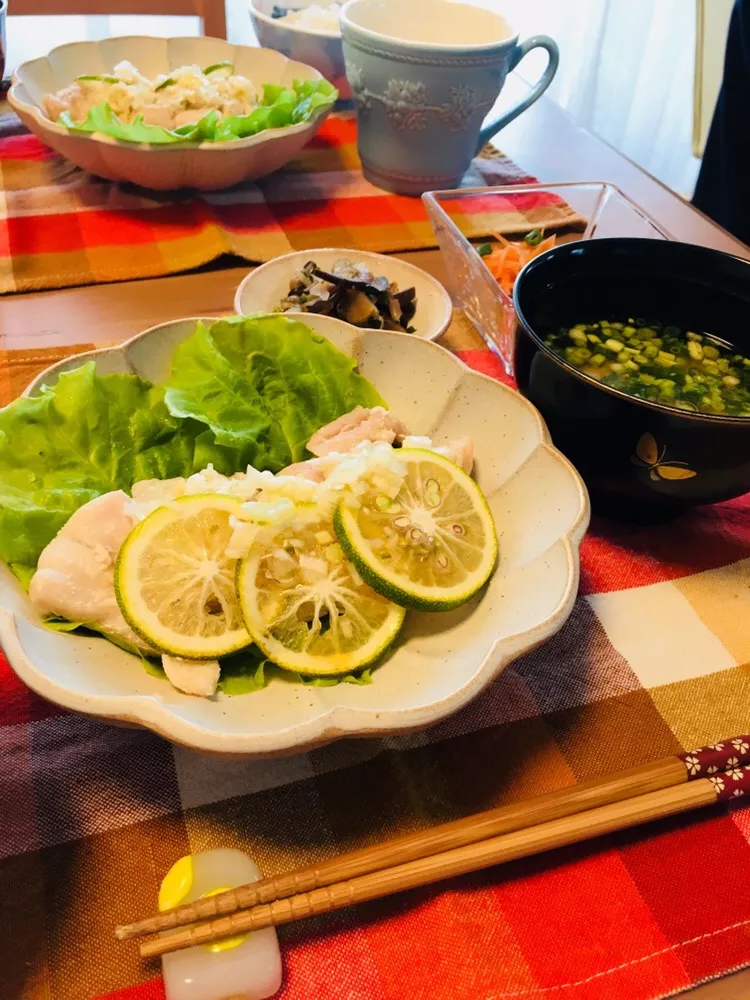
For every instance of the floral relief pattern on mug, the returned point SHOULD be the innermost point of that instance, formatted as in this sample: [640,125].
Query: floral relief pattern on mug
[407,104]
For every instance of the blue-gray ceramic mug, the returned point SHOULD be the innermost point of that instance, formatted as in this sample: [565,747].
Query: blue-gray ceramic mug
[425,74]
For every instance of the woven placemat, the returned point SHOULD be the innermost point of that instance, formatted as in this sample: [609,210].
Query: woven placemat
[62,227]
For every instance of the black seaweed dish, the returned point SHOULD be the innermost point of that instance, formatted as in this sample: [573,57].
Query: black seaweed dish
[642,460]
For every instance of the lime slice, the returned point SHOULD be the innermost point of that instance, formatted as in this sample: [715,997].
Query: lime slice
[306,606]
[431,547]
[175,584]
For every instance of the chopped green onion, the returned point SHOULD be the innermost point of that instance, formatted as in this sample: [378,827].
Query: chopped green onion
[225,64]
[484,249]
[613,345]
[164,84]
[692,371]
[102,78]
[534,238]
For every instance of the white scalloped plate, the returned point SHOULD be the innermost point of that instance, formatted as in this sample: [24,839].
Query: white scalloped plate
[207,166]
[442,661]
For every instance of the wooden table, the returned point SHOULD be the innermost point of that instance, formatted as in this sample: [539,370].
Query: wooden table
[544,141]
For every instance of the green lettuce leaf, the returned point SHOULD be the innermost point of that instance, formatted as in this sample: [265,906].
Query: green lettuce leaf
[264,385]
[362,677]
[62,625]
[250,671]
[244,672]
[279,107]
[55,624]
[240,674]
[86,436]
[23,574]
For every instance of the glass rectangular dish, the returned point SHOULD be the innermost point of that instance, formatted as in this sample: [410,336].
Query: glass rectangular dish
[573,211]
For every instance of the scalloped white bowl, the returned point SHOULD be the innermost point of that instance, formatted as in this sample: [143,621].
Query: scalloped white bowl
[441,661]
[207,166]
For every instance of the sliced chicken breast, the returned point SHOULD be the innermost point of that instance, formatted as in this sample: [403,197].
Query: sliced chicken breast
[75,573]
[75,577]
[344,434]
[314,470]
[460,450]
[161,114]
[197,677]
[161,490]
[70,99]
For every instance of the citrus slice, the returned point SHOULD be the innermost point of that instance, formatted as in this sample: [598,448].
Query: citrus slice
[175,583]
[431,547]
[305,605]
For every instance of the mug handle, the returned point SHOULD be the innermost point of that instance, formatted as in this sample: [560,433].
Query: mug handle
[521,51]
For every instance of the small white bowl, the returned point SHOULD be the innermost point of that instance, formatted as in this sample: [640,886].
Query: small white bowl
[264,288]
[321,49]
[206,166]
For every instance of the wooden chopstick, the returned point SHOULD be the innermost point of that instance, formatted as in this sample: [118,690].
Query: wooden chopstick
[446,836]
[621,815]
[669,772]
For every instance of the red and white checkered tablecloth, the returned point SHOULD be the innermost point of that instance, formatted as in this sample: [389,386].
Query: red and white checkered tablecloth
[654,659]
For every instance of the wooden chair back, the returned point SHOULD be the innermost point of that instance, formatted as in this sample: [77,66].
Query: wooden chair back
[211,12]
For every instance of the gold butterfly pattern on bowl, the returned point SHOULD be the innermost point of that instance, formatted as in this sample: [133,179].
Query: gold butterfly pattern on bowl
[647,454]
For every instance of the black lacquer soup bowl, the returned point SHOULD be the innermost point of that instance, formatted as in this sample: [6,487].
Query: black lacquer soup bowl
[641,459]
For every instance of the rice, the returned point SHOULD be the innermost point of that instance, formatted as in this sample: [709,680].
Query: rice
[316,18]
